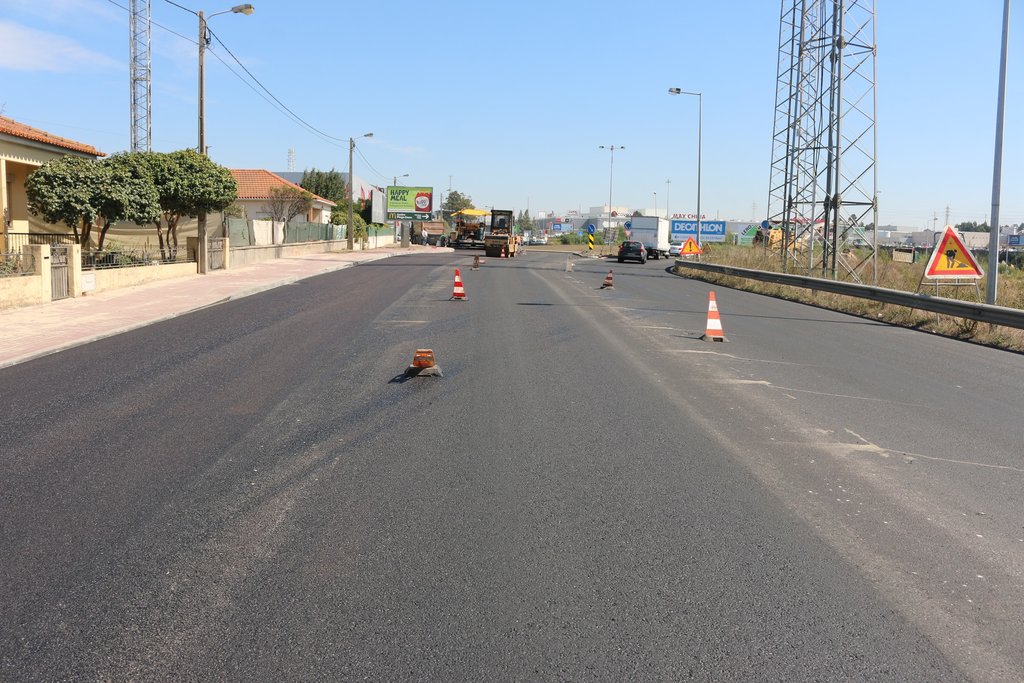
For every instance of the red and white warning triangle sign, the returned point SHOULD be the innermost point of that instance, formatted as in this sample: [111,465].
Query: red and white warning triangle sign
[951,259]
[691,247]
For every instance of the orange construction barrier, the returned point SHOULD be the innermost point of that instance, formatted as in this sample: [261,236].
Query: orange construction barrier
[713,331]
[459,293]
[609,281]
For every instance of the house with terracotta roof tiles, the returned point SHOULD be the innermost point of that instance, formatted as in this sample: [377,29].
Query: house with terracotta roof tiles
[23,149]
[254,188]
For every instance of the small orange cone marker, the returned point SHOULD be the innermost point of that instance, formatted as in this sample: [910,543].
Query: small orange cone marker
[609,281]
[714,331]
[423,364]
[459,293]
[503,253]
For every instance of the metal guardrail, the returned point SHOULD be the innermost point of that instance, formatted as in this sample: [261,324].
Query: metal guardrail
[995,315]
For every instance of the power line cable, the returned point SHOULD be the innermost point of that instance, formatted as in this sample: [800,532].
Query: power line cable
[273,100]
[367,161]
[239,76]
[264,88]
[191,40]
[295,117]
[219,58]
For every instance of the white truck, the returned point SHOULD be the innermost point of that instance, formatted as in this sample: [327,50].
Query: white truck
[653,232]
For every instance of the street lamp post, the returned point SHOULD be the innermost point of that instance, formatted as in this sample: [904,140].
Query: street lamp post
[350,228]
[394,183]
[611,167]
[655,203]
[700,114]
[245,9]
[993,241]
[668,204]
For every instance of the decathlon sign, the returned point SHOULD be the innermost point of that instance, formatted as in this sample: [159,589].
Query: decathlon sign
[710,231]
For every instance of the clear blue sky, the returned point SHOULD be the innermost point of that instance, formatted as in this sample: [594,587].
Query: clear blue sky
[512,99]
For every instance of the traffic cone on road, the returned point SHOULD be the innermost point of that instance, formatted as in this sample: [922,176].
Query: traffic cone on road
[713,331]
[504,254]
[476,262]
[459,293]
[609,281]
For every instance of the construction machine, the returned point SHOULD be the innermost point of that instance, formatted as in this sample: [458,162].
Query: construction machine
[502,235]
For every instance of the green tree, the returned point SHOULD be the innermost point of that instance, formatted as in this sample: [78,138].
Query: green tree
[63,191]
[93,194]
[524,223]
[287,202]
[130,194]
[456,201]
[327,184]
[971,226]
[187,183]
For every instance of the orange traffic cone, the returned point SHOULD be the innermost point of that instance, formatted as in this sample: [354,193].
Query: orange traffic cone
[609,281]
[714,331]
[459,293]
[504,254]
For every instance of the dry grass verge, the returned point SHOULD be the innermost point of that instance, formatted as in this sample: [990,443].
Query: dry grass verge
[892,275]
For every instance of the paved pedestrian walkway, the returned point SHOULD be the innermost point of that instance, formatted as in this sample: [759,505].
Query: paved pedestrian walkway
[34,331]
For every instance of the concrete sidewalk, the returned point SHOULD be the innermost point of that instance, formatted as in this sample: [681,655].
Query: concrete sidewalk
[34,331]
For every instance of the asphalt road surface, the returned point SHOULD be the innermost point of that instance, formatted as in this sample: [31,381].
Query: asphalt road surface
[256,492]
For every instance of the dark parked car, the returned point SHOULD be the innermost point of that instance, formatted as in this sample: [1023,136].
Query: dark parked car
[635,251]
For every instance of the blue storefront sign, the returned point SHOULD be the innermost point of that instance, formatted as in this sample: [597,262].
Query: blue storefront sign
[710,231]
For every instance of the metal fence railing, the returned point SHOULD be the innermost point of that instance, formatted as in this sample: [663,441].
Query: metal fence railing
[16,264]
[995,315]
[16,240]
[129,257]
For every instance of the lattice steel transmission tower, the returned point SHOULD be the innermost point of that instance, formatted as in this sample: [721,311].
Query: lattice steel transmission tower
[139,71]
[823,186]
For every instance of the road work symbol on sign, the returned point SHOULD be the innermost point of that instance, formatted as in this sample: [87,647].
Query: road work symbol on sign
[951,259]
[691,248]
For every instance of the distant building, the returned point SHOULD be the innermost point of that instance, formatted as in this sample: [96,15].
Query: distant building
[254,190]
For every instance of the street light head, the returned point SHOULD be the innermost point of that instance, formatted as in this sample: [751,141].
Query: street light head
[368,135]
[675,91]
[245,9]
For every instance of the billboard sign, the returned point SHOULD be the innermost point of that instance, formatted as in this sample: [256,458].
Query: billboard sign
[377,210]
[710,231]
[410,203]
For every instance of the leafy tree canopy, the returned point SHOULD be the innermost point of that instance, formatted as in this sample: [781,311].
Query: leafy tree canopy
[62,190]
[971,226]
[456,201]
[190,183]
[327,184]
[524,223]
[287,202]
[130,195]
